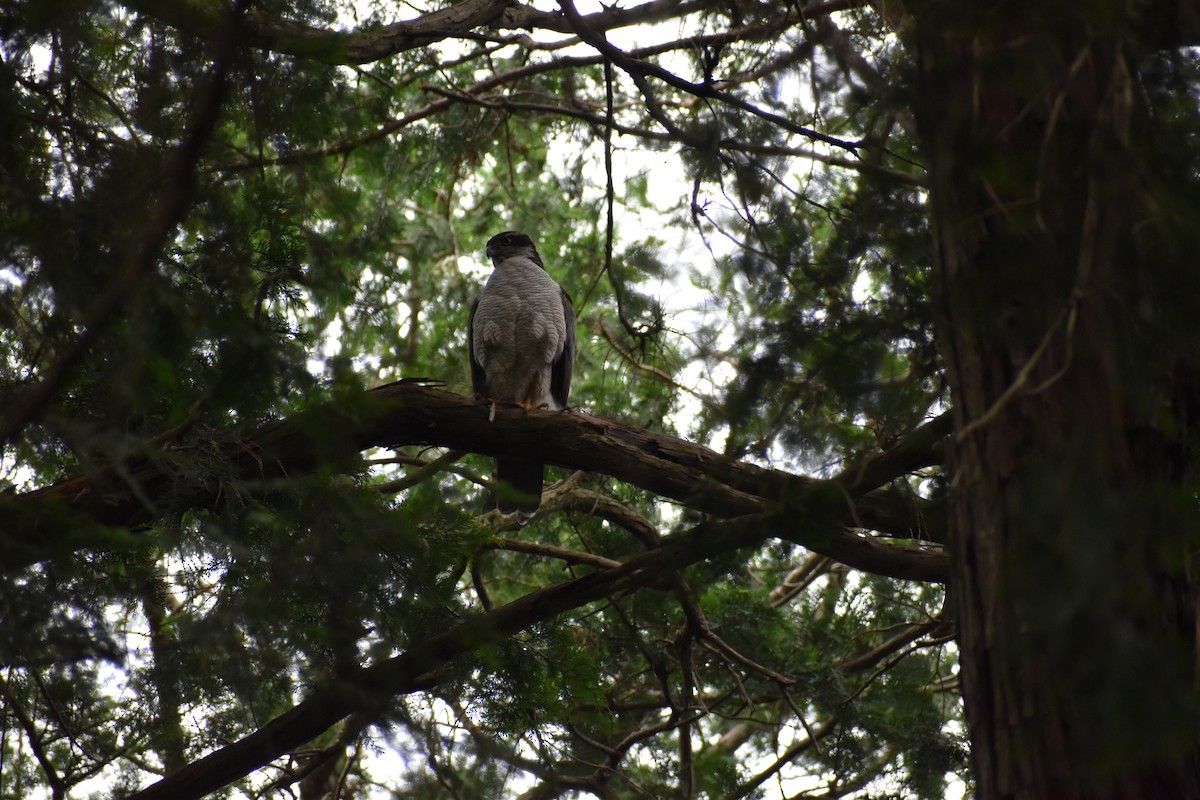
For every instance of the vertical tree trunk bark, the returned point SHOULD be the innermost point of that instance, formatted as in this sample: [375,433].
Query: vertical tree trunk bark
[1072,526]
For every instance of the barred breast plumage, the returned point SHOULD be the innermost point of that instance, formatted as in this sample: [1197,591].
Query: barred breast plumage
[521,339]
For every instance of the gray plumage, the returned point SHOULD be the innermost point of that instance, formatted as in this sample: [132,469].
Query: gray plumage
[521,338]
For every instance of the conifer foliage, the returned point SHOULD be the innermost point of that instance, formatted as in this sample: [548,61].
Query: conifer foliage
[887,362]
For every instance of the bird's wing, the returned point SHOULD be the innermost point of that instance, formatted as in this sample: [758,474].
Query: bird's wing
[564,365]
[478,376]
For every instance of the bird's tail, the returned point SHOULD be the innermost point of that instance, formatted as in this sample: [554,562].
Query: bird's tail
[518,487]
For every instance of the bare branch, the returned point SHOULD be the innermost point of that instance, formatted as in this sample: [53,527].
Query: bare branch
[884,649]
[606,508]
[785,758]
[550,551]
[423,472]
[638,70]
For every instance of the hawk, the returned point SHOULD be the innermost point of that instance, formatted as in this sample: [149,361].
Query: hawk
[521,342]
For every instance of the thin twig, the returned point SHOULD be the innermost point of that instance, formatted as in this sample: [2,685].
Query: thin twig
[638,69]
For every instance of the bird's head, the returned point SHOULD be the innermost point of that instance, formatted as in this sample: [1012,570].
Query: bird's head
[506,245]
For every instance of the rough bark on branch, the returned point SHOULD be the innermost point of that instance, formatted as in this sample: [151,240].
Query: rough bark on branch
[203,20]
[326,45]
[97,511]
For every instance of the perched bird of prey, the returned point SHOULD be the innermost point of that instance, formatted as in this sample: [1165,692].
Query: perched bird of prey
[521,339]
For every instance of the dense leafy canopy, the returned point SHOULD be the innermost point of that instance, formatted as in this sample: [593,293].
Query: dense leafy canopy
[224,227]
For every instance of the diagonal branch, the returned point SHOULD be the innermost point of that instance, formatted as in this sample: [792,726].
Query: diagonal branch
[417,668]
[638,70]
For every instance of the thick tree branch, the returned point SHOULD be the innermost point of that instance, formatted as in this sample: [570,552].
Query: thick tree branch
[199,18]
[458,20]
[98,510]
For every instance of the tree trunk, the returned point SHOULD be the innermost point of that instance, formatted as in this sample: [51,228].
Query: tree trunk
[1072,528]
